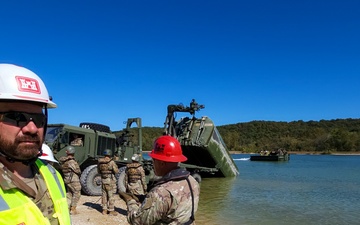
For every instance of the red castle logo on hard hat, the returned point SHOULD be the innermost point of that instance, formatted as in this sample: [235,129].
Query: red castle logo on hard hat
[159,147]
[27,84]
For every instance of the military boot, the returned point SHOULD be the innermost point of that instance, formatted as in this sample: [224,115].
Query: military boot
[104,212]
[73,210]
[113,213]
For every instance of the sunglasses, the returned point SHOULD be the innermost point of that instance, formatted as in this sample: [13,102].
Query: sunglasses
[21,119]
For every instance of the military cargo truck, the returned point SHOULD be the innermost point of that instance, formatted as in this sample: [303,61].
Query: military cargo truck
[89,141]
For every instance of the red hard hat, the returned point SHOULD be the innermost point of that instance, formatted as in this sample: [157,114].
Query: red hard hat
[168,149]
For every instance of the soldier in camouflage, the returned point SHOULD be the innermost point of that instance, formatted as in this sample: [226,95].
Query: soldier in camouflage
[174,198]
[108,169]
[77,141]
[71,171]
[135,180]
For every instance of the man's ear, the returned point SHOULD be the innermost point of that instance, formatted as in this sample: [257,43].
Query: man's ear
[163,164]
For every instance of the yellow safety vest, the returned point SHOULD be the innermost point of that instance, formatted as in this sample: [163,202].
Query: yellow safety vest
[18,209]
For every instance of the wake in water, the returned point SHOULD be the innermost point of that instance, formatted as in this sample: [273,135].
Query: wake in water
[241,159]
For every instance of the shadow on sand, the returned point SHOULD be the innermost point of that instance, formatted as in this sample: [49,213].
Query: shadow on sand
[97,206]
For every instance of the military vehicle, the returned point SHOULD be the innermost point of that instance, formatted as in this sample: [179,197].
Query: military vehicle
[275,155]
[95,138]
[200,140]
[201,143]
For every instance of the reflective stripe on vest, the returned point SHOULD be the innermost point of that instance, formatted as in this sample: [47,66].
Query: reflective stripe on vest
[3,204]
[57,192]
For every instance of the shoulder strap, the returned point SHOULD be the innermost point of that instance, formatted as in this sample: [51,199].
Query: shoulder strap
[18,182]
[192,217]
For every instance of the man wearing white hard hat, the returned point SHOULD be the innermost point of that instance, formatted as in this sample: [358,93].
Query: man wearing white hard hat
[31,192]
[47,154]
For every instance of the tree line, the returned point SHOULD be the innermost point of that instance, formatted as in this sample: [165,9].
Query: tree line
[324,136]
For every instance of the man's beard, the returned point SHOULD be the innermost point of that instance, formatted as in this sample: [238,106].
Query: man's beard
[19,150]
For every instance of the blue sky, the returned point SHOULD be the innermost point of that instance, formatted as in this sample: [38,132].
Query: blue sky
[105,61]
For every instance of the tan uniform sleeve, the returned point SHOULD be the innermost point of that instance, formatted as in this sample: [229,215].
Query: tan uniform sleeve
[115,168]
[75,167]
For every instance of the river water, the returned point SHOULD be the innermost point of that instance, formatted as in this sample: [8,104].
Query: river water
[306,190]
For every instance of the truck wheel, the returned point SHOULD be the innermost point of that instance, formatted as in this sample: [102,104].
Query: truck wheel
[197,177]
[91,181]
[95,126]
[121,179]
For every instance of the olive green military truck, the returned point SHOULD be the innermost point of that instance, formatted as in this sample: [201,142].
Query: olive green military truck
[89,141]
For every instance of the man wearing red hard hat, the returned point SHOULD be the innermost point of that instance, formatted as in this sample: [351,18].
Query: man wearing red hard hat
[174,198]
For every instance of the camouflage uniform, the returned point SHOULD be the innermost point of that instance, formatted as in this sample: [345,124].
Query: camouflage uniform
[71,171]
[77,142]
[170,201]
[42,196]
[108,169]
[135,181]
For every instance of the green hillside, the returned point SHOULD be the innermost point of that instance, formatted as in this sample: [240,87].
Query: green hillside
[324,136]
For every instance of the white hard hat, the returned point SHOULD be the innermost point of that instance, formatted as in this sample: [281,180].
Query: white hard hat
[135,157]
[47,154]
[19,83]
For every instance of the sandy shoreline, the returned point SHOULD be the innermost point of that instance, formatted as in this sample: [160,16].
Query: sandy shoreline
[90,212]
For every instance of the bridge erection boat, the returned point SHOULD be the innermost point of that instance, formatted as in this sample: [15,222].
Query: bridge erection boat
[278,155]
[201,143]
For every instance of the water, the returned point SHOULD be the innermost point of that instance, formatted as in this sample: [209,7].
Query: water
[308,189]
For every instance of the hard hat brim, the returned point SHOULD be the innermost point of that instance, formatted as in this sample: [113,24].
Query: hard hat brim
[177,158]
